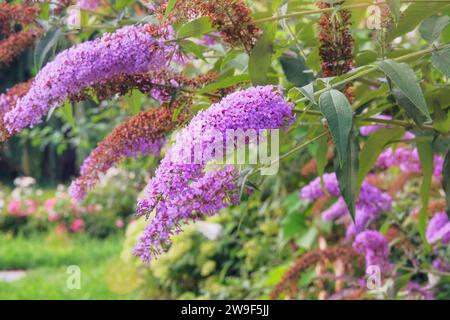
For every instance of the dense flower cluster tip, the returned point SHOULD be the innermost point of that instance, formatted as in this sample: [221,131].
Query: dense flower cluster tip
[142,134]
[375,249]
[129,50]
[371,203]
[184,190]
[438,228]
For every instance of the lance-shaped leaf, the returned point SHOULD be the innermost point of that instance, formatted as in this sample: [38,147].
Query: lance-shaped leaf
[405,79]
[337,110]
[426,161]
[46,47]
[431,28]
[413,15]
[195,28]
[372,149]
[446,179]
[169,8]
[441,61]
[409,107]
[347,173]
[296,70]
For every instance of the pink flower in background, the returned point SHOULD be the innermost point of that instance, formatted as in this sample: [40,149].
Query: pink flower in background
[52,216]
[49,204]
[77,225]
[14,207]
[120,224]
[31,207]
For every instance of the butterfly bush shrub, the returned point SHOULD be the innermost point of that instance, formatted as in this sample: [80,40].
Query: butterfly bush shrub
[363,181]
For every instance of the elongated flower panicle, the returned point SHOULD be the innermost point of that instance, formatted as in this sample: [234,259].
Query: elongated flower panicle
[336,44]
[309,259]
[13,14]
[142,134]
[8,101]
[374,247]
[408,160]
[232,18]
[372,202]
[184,190]
[129,50]
[14,45]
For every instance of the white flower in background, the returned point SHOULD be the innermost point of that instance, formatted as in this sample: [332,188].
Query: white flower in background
[24,182]
[210,230]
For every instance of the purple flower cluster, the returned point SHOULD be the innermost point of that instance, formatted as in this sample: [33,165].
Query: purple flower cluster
[374,247]
[441,264]
[187,190]
[129,50]
[438,228]
[407,160]
[90,5]
[417,292]
[371,203]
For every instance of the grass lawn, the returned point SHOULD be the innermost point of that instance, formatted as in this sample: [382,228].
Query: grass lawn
[46,260]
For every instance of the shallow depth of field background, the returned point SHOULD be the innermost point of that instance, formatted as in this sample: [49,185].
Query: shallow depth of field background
[241,253]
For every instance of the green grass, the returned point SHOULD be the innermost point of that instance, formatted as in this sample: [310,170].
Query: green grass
[51,251]
[46,260]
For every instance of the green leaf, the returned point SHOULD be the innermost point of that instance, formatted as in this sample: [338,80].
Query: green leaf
[195,28]
[441,119]
[431,27]
[194,48]
[120,4]
[308,92]
[446,179]
[296,70]
[426,161]
[260,59]
[413,15]
[67,113]
[225,83]
[372,149]
[405,79]
[46,46]
[441,61]
[347,173]
[135,101]
[402,281]
[335,107]
[169,8]
[410,108]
